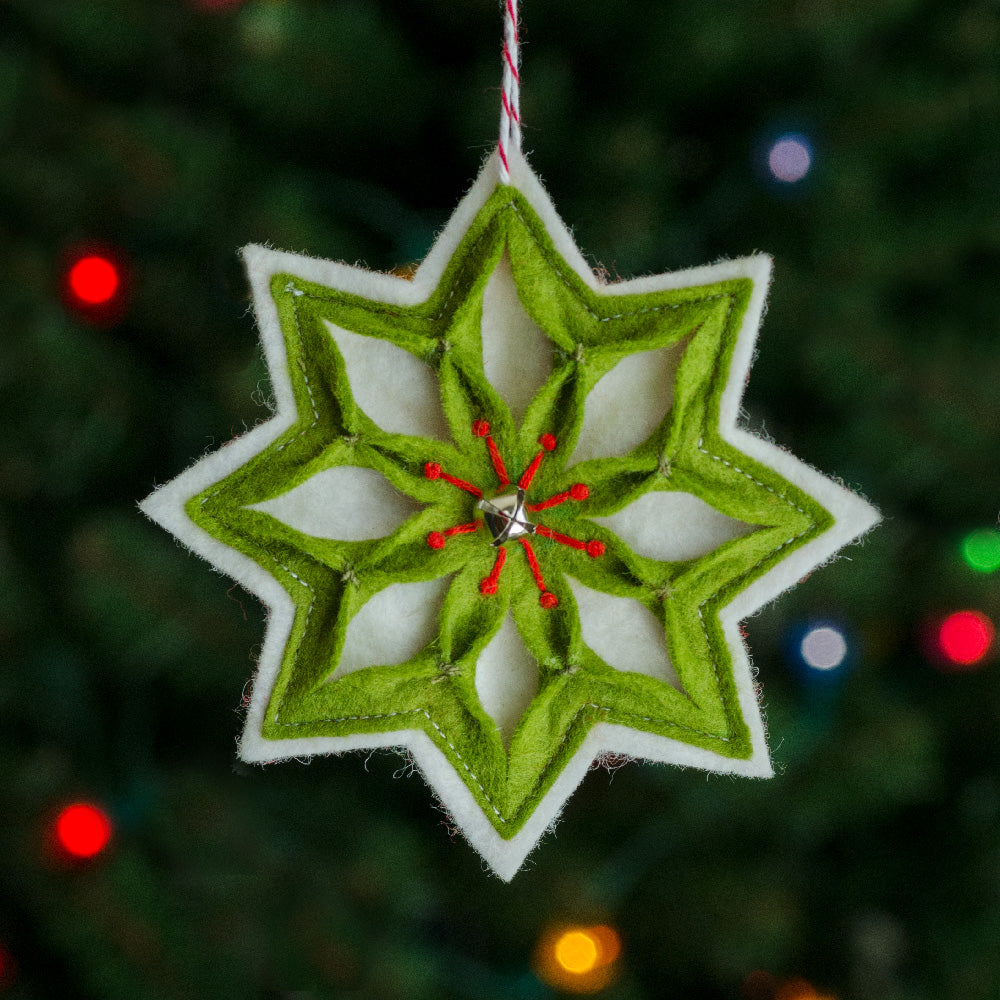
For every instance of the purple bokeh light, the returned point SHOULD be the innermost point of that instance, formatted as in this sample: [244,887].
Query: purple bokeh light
[789,158]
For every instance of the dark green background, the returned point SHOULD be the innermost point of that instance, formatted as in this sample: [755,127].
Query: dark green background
[348,129]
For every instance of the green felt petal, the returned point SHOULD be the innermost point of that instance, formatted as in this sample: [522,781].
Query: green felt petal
[435,691]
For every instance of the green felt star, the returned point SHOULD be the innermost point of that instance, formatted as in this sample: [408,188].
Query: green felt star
[563,575]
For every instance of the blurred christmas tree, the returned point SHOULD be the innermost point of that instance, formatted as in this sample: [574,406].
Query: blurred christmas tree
[161,135]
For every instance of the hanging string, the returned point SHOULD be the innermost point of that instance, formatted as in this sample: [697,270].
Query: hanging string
[510,95]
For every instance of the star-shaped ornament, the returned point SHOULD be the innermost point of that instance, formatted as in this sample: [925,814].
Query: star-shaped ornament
[503,516]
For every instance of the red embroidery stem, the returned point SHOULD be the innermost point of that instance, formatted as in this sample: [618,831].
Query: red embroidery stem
[497,461]
[489,585]
[548,442]
[462,529]
[434,471]
[573,543]
[593,548]
[548,599]
[576,492]
[536,570]
[529,472]
[482,429]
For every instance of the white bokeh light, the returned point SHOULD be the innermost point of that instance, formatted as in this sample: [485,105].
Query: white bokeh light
[789,158]
[823,648]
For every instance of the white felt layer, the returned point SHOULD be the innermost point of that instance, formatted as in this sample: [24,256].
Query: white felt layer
[517,356]
[623,633]
[852,518]
[506,678]
[398,391]
[348,504]
[627,404]
[672,526]
[393,626]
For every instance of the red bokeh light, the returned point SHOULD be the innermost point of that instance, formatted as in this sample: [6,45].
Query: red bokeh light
[8,968]
[94,280]
[965,637]
[82,830]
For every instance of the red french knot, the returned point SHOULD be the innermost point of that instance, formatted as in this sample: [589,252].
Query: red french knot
[576,492]
[488,585]
[595,548]
[432,470]
[548,599]
[435,540]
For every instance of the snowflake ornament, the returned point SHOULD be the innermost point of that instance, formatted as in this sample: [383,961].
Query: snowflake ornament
[504,516]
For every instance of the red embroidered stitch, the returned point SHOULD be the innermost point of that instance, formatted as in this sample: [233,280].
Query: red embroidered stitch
[576,492]
[433,471]
[489,584]
[593,548]
[548,442]
[502,520]
[482,429]
[548,599]
[436,539]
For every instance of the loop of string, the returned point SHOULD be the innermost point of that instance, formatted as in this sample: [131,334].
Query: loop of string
[510,95]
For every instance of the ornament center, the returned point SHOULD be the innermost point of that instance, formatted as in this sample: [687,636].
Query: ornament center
[505,517]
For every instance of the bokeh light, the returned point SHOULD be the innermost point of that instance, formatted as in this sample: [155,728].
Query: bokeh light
[82,830]
[789,158]
[800,989]
[94,280]
[823,648]
[981,550]
[577,952]
[578,959]
[820,652]
[965,637]
[8,968]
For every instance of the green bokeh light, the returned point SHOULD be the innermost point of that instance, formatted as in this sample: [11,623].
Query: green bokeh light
[981,549]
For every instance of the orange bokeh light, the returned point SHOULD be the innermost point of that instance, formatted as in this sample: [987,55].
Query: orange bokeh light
[800,989]
[577,952]
[94,280]
[82,830]
[578,959]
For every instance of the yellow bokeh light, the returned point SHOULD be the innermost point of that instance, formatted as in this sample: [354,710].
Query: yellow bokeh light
[577,952]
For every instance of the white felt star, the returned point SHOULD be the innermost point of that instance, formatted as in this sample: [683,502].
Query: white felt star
[686,524]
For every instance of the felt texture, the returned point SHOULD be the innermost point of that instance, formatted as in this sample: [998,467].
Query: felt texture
[327,505]
[352,356]
[672,526]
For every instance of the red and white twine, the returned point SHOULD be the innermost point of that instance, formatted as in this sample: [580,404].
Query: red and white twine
[510,95]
